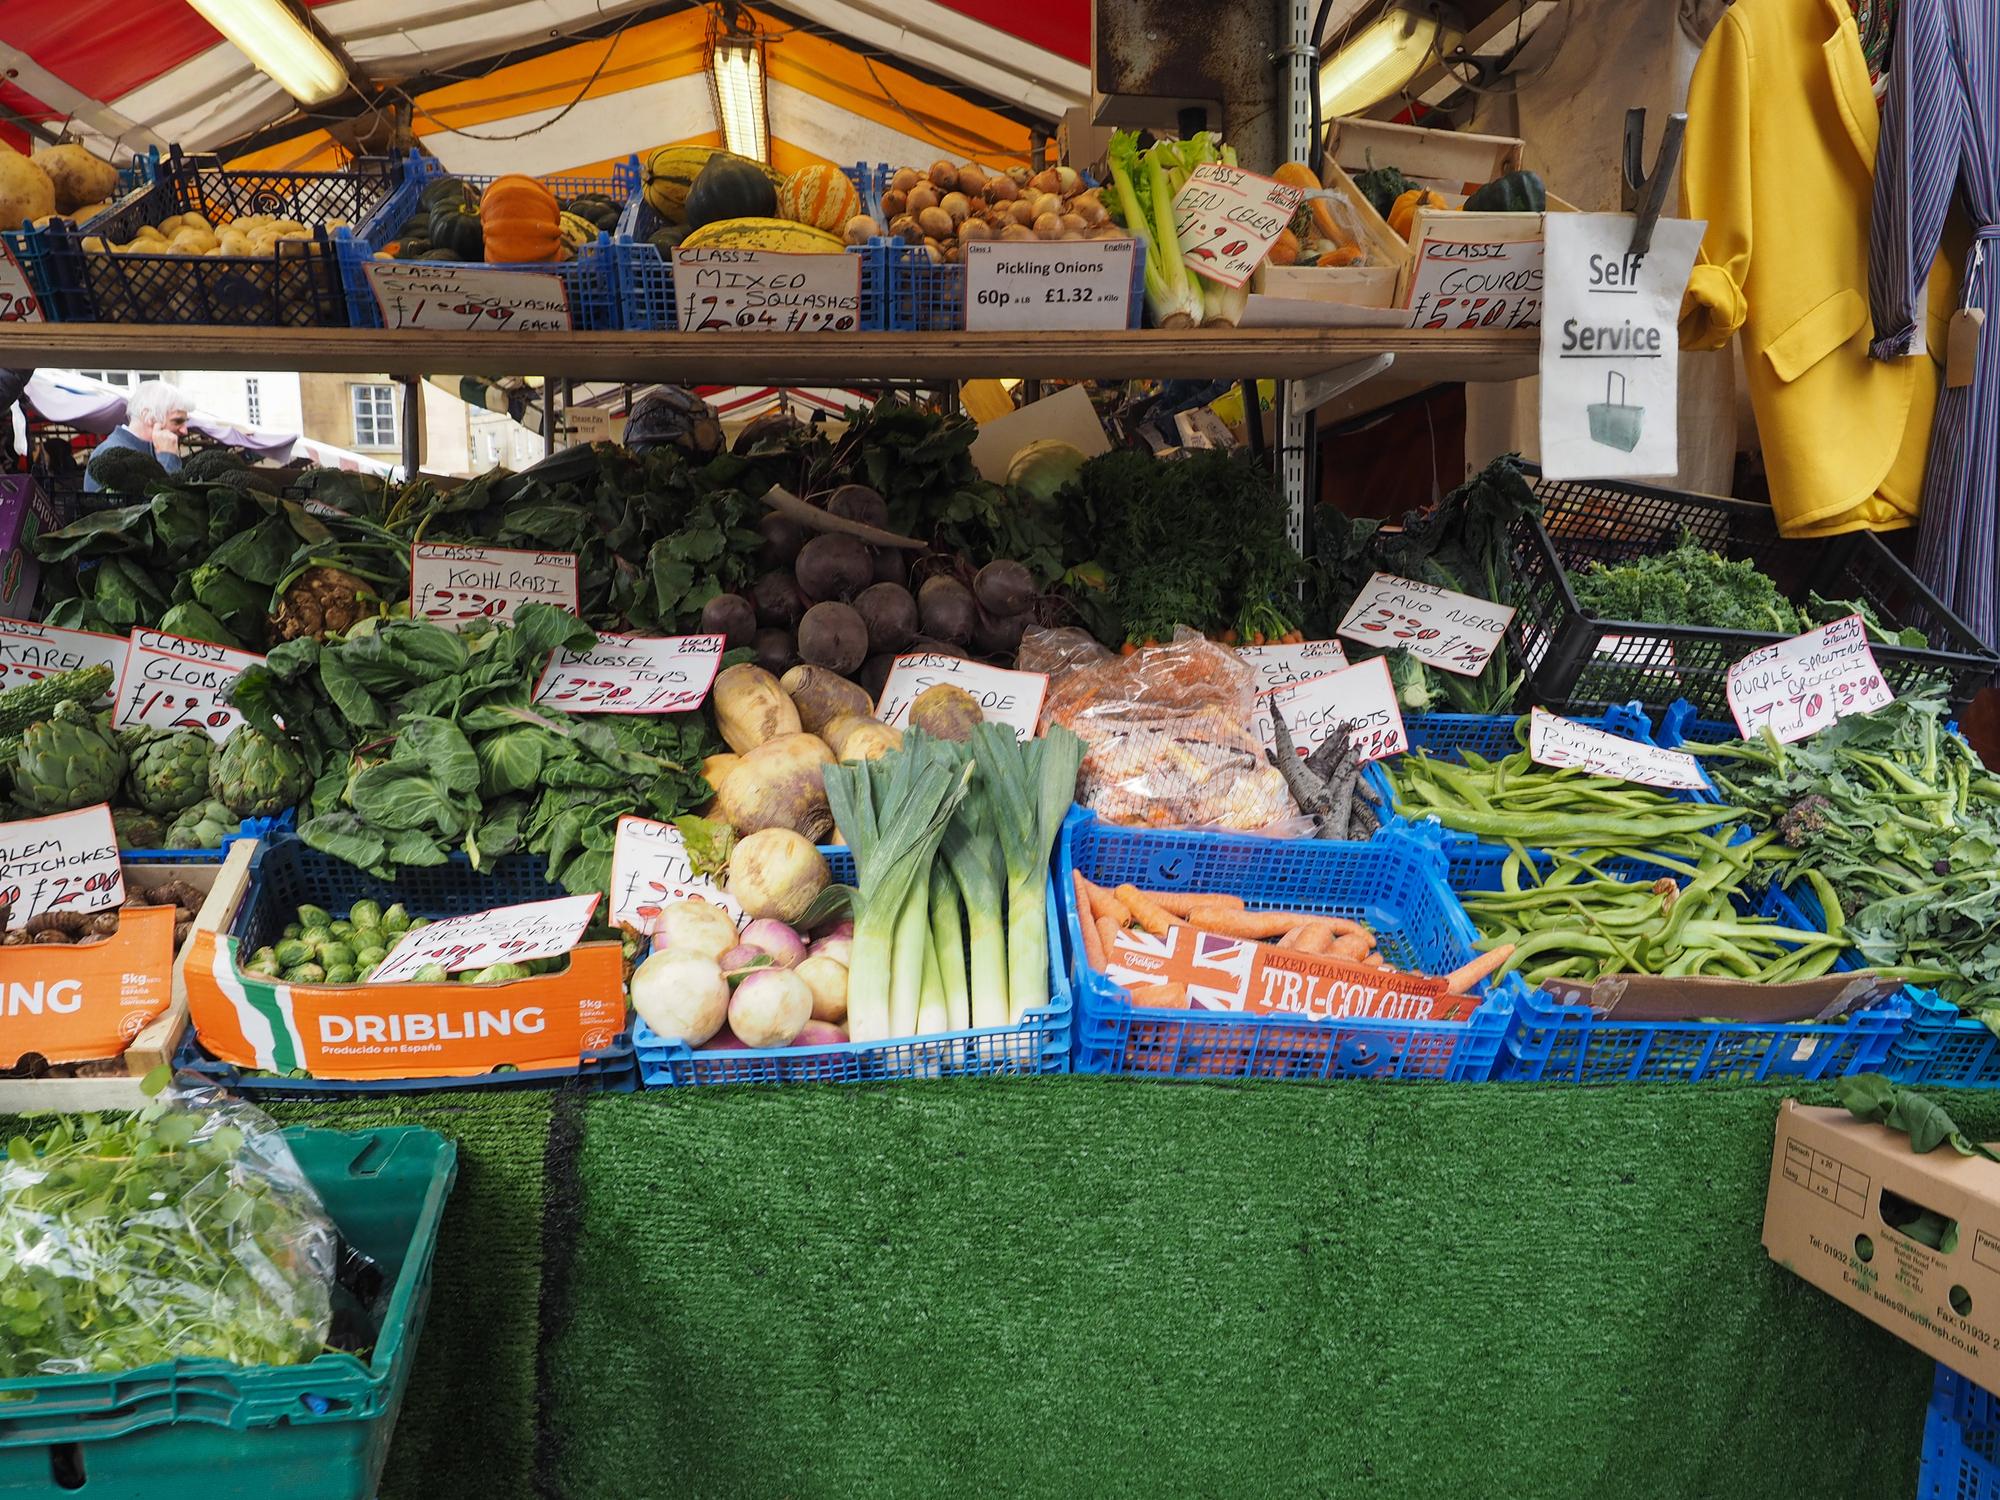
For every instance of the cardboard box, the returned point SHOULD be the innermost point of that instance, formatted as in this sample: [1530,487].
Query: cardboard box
[1066,416]
[24,512]
[1842,1194]
[1261,979]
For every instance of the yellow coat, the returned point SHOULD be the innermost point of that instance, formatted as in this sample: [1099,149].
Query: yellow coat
[1782,126]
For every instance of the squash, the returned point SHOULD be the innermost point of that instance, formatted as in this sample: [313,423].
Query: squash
[523,224]
[764,234]
[1339,255]
[1284,249]
[412,248]
[819,195]
[1382,186]
[596,209]
[443,193]
[730,187]
[670,172]
[456,227]
[577,231]
[1403,214]
[1516,193]
[668,237]
[438,252]
[1297,174]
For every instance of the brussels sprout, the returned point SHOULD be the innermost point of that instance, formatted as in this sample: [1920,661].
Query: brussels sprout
[368,955]
[418,924]
[365,914]
[314,916]
[316,937]
[337,955]
[500,973]
[431,974]
[340,973]
[363,971]
[292,930]
[293,952]
[264,961]
[305,974]
[341,928]
[396,918]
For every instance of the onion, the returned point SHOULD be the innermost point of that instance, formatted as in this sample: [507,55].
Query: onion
[1048,203]
[1073,225]
[861,229]
[769,935]
[1016,232]
[895,204]
[1048,180]
[1049,227]
[905,179]
[1022,211]
[681,995]
[1001,189]
[972,180]
[1087,207]
[923,196]
[769,1007]
[937,224]
[957,205]
[1069,181]
[944,174]
[975,229]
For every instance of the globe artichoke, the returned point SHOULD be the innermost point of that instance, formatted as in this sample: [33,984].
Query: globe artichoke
[138,829]
[170,771]
[68,760]
[255,776]
[202,826]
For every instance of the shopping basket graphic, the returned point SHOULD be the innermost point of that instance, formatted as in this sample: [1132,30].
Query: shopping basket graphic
[1613,423]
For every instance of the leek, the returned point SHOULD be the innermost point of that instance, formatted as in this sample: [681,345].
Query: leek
[893,811]
[1028,789]
[974,858]
[1146,209]
[948,942]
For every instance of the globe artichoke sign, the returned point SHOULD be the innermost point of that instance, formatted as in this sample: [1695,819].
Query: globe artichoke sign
[68,760]
[170,771]
[255,776]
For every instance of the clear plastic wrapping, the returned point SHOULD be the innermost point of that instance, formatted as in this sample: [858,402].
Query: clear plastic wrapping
[183,1230]
[1169,734]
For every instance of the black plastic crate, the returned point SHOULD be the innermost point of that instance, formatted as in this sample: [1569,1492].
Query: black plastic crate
[1580,664]
[296,285]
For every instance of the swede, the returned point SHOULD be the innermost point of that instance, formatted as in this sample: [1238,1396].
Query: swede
[826,977]
[682,995]
[769,1007]
[776,873]
[694,927]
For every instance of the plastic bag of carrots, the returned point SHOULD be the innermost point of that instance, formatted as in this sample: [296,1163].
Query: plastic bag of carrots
[1168,736]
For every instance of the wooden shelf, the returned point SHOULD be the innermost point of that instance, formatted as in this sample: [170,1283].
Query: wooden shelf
[776,359]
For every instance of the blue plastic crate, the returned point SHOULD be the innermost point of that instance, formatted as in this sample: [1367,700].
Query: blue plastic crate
[31,245]
[1961,1449]
[1942,1046]
[920,295]
[646,272]
[590,280]
[286,874]
[1040,1044]
[297,285]
[251,828]
[1394,884]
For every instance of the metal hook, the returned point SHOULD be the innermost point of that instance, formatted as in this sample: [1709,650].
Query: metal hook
[1641,192]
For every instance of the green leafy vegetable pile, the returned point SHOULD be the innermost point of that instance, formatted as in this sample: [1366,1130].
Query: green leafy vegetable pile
[168,1233]
[1870,1096]
[1900,820]
[422,740]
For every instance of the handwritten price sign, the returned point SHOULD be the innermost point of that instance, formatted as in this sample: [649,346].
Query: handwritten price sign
[1453,632]
[1361,697]
[762,291]
[68,862]
[1227,220]
[171,682]
[506,934]
[633,674]
[1800,686]
[460,299]
[1004,697]
[456,585]
[1277,665]
[650,869]
[30,652]
[18,302]
[1559,742]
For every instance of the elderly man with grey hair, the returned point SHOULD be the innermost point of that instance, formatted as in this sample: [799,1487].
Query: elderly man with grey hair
[156,418]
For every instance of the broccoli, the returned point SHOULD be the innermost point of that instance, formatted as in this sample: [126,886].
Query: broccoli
[1804,820]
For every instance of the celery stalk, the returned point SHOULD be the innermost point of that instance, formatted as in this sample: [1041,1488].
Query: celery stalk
[1168,301]
[948,942]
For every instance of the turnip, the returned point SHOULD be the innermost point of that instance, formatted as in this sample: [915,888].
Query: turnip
[741,959]
[837,948]
[770,936]
[820,1034]
[682,995]
[694,927]
[775,872]
[826,977]
[769,1007]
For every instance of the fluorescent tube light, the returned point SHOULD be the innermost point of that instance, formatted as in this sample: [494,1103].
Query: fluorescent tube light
[736,79]
[1383,57]
[279,44]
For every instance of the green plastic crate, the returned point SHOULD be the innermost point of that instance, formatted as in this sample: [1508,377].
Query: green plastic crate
[209,1430]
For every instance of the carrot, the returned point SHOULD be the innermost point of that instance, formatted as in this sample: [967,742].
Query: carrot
[1173,995]
[1182,905]
[1129,648]
[1093,942]
[1461,980]
[1107,933]
[1229,637]
[1104,904]
[1147,912]
[1349,949]
[1320,939]
[1296,937]
[1250,924]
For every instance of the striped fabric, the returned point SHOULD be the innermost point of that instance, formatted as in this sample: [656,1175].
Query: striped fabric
[1941,131]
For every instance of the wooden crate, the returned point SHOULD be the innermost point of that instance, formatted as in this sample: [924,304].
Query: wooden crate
[225,883]
[1381,283]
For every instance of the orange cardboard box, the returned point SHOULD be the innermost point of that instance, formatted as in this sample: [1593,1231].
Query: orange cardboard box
[78,1002]
[1260,979]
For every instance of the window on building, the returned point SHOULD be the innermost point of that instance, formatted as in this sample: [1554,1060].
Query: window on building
[489,447]
[123,379]
[375,416]
[253,401]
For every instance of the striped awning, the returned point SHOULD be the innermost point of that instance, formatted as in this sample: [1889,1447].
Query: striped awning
[494,87]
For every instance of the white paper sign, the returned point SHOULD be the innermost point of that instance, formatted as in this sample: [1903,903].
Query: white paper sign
[68,862]
[632,674]
[650,868]
[1029,285]
[1227,220]
[1476,283]
[1800,686]
[1559,742]
[1453,632]
[1004,697]
[170,682]
[30,652]
[762,291]
[1277,665]
[466,299]
[506,934]
[18,302]
[1360,696]
[1611,346]
[454,586]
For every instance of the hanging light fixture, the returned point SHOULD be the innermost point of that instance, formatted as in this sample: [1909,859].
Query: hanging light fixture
[1385,55]
[279,45]
[736,82]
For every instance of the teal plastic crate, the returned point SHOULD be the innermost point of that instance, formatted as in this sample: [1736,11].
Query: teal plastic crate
[205,1429]
[1394,883]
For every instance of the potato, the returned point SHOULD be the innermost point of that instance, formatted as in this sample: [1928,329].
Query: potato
[26,193]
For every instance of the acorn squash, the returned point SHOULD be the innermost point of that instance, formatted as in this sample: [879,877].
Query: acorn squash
[1516,193]
[577,231]
[438,252]
[522,223]
[596,209]
[456,227]
[730,187]
[443,193]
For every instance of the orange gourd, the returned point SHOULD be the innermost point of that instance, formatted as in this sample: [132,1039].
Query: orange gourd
[521,220]
[1403,212]
[1306,180]
[1285,249]
[1340,255]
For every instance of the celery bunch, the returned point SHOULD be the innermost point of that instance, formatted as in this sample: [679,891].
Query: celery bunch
[1147,183]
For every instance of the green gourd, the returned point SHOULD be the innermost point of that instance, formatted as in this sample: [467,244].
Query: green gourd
[443,193]
[455,227]
[1516,193]
[730,187]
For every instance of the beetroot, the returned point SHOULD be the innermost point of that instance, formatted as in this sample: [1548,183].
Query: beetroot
[732,617]
[856,502]
[834,567]
[782,539]
[947,610]
[777,652]
[1004,588]
[890,614]
[833,636]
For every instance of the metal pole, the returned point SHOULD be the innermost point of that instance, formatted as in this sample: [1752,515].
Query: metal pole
[1294,466]
[548,415]
[412,436]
